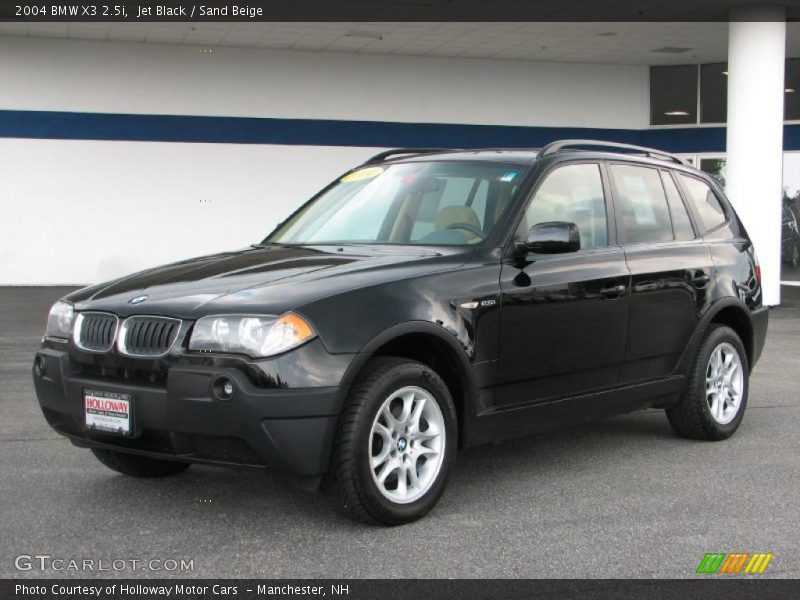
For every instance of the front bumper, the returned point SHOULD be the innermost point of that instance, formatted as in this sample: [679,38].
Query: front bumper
[179,417]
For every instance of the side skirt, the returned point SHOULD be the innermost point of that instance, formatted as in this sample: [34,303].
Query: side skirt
[497,425]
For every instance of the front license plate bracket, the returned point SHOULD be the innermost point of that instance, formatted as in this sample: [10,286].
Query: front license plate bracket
[108,412]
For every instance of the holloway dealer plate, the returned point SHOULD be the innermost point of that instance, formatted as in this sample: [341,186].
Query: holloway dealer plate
[107,411]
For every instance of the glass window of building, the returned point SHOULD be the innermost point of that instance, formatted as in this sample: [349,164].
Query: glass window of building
[791,97]
[673,95]
[715,166]
[714,93]
[790,218]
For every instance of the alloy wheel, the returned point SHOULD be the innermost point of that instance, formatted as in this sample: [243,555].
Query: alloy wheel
[407,444]
[724,383]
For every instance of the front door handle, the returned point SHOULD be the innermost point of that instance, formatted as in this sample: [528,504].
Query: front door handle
[614,292]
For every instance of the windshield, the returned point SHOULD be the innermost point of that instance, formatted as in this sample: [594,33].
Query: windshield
[423,203]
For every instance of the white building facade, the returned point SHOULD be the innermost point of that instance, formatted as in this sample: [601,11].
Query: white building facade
[130,154]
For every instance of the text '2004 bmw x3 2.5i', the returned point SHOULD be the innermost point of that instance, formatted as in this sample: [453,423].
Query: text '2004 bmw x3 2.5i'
[425,301]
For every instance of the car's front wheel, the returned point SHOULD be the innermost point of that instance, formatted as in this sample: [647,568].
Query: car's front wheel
[395,444]
[138,466]
[716,395]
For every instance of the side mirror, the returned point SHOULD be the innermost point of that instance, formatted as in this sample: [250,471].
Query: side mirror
[555,237]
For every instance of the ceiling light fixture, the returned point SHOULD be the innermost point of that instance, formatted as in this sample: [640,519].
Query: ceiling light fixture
[364,34]
[671,50]
[676,113]
[789,90]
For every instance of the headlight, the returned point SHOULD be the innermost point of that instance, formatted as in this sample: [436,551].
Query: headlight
[256,336]
[60,319]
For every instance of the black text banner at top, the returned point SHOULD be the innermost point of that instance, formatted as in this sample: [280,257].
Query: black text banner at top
[372,10]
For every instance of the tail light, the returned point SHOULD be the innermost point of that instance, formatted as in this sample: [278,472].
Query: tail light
[757,268]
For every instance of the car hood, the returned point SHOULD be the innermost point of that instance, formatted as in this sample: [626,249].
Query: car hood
[268,279]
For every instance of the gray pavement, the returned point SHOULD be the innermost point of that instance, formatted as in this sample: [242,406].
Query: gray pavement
[623,497]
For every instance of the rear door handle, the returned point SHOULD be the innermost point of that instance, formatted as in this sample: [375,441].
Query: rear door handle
[614,292]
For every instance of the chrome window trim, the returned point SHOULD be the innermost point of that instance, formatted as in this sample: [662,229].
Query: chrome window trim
[123,331]
[77,326]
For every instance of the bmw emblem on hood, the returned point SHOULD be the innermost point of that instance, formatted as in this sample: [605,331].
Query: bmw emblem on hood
[137,300]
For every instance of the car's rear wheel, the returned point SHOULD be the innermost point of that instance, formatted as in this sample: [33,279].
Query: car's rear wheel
[716,395]
[135,465]
[395,444]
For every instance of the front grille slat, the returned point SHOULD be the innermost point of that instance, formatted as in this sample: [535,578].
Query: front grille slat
[148,336]
[142,337]
[168,330]
[165,327]
[91,336]
[152,339]
[138,334]
[96,331]
[139,338]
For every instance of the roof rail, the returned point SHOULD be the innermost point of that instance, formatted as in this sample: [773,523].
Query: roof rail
[560,145]
[400,151]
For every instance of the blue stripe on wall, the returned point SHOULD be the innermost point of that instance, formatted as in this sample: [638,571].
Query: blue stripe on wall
[689,139]
[320,132]
[312,132]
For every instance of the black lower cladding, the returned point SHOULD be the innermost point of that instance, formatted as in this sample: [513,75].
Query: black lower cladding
[180,416]
[759,319]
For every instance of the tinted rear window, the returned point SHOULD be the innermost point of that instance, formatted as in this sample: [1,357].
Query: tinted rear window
[705,201]
[641,199]
[681,224]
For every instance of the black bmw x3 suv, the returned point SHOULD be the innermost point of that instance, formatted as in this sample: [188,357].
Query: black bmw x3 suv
[424,301]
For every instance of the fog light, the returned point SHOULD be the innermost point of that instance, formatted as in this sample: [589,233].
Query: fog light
[223,388]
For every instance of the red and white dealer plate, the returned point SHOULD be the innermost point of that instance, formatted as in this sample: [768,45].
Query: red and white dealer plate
[109,412]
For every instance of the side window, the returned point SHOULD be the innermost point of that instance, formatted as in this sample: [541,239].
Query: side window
[681,223]
[642,204]
[705,201]
[573,194]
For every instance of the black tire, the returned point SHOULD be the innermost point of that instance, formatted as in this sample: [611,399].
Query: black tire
[691,416]
[349,483]
[138,466]
[795,257]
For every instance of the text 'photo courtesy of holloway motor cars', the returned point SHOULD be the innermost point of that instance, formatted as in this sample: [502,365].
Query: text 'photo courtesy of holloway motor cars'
[426,301]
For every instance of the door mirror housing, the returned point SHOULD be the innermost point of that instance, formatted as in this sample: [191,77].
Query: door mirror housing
[555,237]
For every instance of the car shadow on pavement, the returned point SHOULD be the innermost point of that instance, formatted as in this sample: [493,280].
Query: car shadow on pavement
[242,496]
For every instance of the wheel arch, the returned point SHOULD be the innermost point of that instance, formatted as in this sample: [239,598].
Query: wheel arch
[737,318]
[432,345]
[730,312]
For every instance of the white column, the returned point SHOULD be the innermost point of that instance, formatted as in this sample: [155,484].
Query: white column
[754,169]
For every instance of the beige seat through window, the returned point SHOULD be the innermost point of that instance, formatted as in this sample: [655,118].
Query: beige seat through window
[450,215]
